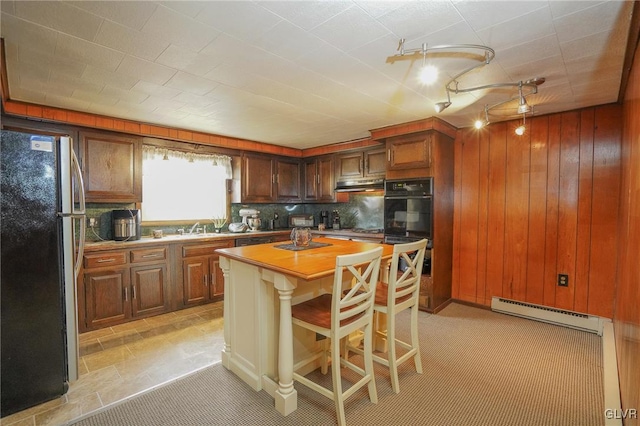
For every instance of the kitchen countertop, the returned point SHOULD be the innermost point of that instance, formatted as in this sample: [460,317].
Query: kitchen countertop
[348,233]
[209,237]
[176,238]
[316,263]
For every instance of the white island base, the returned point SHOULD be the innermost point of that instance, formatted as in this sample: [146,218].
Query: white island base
[257,312]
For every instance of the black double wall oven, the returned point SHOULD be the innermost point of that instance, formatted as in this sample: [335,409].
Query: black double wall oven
[408,213]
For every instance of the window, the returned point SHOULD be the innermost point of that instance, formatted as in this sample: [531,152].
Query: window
[183,186]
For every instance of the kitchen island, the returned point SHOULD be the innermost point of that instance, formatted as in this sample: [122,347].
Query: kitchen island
[262,282]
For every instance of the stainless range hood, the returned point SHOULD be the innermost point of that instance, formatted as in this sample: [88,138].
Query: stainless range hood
[361,185]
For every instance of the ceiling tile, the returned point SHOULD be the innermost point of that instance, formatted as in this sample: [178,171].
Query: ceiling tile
[145,70]
[288,41]
[125,95]
[48,59]
[77,49]
[532,26]
[601,17]
[178,29]
[191,83]
[194,100]
[8,6]
[96,98]
[60,16]
[350,29]
[127,40]
[306,14]
[188,61]
[230,76]
[531,51]
[28,95]
[244,20]
[132,14]
[599,44]
[189,8]
[416,19]
[20,32]
[67,103]
[102,77]
[560,8]
[155,90]
[484,14]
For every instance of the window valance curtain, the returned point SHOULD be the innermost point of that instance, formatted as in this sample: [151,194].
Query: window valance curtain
[150,152]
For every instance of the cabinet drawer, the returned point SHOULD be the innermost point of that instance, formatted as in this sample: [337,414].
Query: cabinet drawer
[99,260]
[204,249]
[148,255]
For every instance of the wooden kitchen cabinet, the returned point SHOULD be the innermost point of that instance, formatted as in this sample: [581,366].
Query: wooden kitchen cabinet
[319,181]
[266,179]
[118,286]
[111,167]
[202,279]
[149,286]
[107,297]
[361,165]
[428,152]
[409,152]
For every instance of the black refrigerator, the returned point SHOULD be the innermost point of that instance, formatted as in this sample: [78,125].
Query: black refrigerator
[42,237]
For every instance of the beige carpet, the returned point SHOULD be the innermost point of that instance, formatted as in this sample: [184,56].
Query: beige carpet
[480,368]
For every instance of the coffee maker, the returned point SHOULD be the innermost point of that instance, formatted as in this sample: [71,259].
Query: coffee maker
[126,225]
[324,218]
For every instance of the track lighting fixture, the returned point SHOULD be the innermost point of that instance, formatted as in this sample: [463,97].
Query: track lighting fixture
[441,106]
[483,55]
[480,123]
[523,106]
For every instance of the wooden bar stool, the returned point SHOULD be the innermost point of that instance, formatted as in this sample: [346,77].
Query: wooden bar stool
[399,294]
[339,314]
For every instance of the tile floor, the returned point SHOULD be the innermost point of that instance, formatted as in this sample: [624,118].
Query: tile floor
[121,361]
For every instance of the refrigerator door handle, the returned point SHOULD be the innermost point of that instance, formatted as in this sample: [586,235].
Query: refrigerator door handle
[79,213]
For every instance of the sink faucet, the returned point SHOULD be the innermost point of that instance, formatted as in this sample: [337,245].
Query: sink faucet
[193,227]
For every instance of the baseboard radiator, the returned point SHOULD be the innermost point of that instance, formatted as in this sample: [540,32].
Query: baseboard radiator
[590,323]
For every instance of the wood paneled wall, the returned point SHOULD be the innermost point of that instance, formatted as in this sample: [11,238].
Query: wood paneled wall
[530,207]
[627,297]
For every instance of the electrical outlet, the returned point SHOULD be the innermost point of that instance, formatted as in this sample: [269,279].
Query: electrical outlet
[563,280]
[92,221]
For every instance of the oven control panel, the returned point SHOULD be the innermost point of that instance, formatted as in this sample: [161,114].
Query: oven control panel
[409,187]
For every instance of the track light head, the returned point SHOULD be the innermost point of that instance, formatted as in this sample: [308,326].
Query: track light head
[441,106]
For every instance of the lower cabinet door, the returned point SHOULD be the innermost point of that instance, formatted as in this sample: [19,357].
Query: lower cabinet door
[108,299]
[216,282]
[149,290]
[195,275]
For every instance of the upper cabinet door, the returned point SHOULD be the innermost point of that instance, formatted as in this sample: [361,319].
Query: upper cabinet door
[349,166]
[112,167]
[375,163]
[319,180]
[258,179]
[409,152]
[288,185]
[361,164]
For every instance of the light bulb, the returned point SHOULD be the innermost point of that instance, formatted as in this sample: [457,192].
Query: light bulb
[520,130]
[479,124]
[428,74]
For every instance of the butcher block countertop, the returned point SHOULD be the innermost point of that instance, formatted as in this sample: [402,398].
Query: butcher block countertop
[306,264]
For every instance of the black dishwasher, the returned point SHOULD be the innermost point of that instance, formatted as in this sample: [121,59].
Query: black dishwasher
[251,241]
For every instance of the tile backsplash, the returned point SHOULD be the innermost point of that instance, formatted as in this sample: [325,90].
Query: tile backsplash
[362,211]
